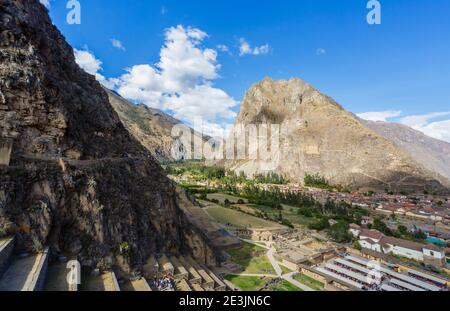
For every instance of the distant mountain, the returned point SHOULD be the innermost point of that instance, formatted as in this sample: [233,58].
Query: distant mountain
[151,127]
[432,153]
[319,137]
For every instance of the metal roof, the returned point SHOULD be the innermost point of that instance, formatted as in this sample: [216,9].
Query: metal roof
[340,278]
[365,279]
[407,285]
[428,276]
[389,288]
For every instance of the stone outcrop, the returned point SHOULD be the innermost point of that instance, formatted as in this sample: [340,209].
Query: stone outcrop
[77,181]
[319,137]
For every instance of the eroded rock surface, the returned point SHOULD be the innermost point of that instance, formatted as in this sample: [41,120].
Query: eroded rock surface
[77,181]
[319,137]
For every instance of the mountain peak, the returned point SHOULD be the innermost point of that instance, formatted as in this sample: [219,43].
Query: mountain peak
[320,137]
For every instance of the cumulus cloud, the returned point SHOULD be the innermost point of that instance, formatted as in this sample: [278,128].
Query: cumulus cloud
[89,63]
[425,123]
[439,130]
[428,124]
[181,82]
[246,49]
[46,3]
[380,115]
[419,121]
[118,44]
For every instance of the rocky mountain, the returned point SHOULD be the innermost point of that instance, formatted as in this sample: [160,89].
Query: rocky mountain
[434,154]
[152,128]
[319,137]
[71,176]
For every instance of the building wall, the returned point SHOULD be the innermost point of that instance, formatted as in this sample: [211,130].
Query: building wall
[408,253]
[374,247]
[354,232]
[435,254]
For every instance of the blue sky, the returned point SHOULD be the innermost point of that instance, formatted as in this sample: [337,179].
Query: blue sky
[400,68]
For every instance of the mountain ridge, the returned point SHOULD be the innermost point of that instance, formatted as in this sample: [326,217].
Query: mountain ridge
[317,132]
[72,178]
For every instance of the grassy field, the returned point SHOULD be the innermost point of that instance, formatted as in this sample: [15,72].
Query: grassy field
[285,270]
[252,258]
[237,219]
[289,212]
[247,283]
[257,265]
[310,282]
[285,286]
[246,250]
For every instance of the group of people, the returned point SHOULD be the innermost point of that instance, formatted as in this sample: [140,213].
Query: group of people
[166,282]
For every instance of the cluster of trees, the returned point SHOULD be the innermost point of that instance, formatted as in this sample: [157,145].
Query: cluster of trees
[340,212]
[196,169]
[317,181]
[271,178]
[401,232]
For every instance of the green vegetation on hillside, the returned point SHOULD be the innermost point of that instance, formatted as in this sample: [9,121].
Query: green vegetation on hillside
[252,258]
[234,218]
[317,181]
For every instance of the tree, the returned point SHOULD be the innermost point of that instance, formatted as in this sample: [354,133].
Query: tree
[379,225]
[320,224]
[402,230]
[339,232]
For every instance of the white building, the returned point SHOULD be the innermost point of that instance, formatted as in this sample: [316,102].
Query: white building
[376,241]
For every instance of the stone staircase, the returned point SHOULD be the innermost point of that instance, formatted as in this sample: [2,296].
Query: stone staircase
[137,285]
[32,272]
[104,282]
[24,272]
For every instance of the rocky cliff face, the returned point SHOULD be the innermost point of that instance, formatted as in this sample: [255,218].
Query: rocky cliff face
[152,128]
[76,180]
[319,137]
[432,153]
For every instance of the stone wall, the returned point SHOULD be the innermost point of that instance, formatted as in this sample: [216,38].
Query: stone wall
[37,282]
[5,255]
[5,151]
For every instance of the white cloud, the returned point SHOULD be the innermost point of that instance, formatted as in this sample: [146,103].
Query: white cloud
[419,121]
[46,3]
[89,63]
[118,44]
[423,123]
[439,130]
[380,115]
[223,48]
[321,51]
[246,49]
[182,82]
